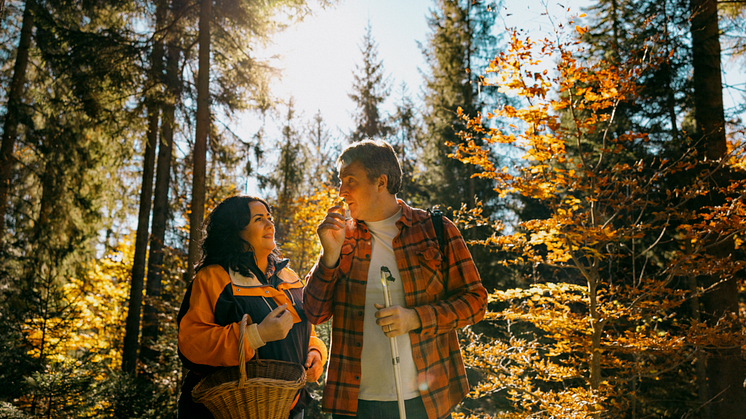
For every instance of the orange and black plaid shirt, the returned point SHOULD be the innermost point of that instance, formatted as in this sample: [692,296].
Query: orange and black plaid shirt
[445,297]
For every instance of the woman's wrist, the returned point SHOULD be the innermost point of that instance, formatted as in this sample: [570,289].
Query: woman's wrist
[253,337]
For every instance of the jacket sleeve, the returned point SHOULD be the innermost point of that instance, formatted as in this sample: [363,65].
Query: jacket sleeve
[201,340]
[317,344]
[466,298]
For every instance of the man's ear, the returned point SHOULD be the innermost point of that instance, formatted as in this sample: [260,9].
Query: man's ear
[383,181]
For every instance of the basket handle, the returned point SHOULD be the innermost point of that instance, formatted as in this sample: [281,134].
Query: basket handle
[246,319]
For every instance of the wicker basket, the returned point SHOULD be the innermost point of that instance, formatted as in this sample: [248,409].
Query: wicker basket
[258,389]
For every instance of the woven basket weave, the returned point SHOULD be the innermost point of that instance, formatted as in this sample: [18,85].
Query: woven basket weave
[258,389]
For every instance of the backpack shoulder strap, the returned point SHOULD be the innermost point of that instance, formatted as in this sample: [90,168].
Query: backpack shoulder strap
[437,219]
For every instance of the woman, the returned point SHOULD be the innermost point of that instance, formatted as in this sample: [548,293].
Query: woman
[240,271]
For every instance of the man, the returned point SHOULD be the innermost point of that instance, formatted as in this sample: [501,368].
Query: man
[432,295]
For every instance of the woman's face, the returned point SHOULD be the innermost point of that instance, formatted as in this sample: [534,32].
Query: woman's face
[260,232]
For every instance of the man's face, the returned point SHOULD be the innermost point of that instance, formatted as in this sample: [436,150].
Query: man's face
[360,193]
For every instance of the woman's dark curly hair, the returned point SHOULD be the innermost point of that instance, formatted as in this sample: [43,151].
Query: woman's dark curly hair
[221,235]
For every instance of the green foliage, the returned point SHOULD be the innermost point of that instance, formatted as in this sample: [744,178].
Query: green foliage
[370,89]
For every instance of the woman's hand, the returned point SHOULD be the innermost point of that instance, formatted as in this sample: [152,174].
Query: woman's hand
[314,368]
[331,234]
[276,325]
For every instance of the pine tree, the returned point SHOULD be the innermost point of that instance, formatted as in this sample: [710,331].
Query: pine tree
[233,80]
[725,365]
[154,308]
[14,113]
[288,177]
[131,338]
[406,139]
[323,149]
[369,91]
[460,45]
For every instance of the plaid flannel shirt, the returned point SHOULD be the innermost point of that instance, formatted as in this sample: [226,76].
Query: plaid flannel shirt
[443,304]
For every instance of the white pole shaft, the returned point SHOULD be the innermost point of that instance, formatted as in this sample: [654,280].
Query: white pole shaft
[394,354]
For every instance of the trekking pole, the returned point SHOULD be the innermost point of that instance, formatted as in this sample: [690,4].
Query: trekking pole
[385,277]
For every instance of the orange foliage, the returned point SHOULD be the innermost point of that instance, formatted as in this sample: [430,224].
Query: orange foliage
[614,319]
[301,245]
[92,320]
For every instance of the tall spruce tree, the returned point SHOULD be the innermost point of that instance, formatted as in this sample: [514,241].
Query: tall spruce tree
[14,111]
[288,177]
[681,108]
[70,157]
[369,91]
[172,95]
[458,48]
[137,282]
[231,78]
[621,30]
[406,138]
[725,365]
[322,152]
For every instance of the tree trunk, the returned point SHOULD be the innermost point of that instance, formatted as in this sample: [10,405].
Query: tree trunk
[701,360]
[724,365]
[132,331]
[200,141]
[708,88]
[151,325]
[13,109]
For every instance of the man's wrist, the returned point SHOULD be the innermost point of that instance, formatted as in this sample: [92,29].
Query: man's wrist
[328,262]
[415,320]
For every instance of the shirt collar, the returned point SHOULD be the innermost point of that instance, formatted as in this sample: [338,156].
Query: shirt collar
[406,214]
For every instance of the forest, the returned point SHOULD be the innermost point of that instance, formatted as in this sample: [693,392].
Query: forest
[597,176]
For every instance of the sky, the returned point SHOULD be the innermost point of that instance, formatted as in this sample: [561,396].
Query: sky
[320,54]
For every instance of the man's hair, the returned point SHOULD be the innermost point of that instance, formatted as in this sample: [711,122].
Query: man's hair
[377,158]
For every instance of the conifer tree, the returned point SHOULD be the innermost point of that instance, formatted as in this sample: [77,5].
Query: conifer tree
[234,80]
[13,112]
[369,92]
[131,337]
[406,139]
[172,92]
[725,364]
[322,152]
[460,44]
[289,174]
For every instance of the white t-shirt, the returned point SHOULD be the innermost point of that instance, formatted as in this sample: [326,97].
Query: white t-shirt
[377,378]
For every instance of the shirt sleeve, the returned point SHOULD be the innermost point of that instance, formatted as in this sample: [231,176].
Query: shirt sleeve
[466,297]
[318,293]
[201,340]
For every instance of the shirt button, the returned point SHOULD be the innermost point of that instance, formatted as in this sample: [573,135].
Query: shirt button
[357,344]
[367,256]
[360,313]
[357,377]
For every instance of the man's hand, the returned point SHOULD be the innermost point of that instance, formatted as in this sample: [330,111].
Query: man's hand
[276,325]
[397,320]
[331,234]
[314,368]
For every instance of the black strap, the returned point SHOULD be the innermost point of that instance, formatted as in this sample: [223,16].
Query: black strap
[437,219]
